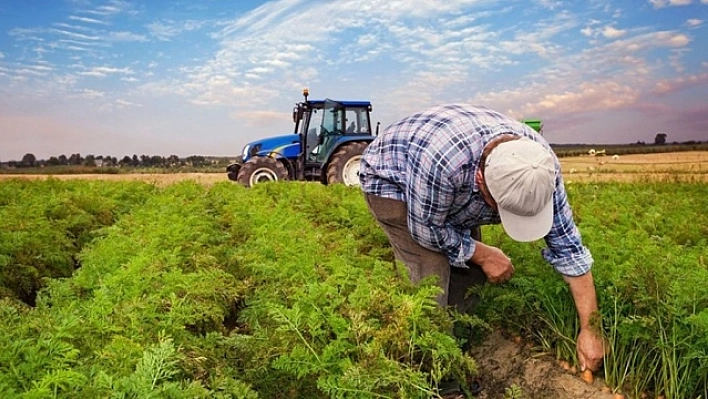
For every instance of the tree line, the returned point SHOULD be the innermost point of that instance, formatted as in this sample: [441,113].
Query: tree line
[29,161]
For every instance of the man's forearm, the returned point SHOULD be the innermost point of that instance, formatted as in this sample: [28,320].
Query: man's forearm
[583,290]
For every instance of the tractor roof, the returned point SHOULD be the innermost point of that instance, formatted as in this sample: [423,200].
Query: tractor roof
[348,104]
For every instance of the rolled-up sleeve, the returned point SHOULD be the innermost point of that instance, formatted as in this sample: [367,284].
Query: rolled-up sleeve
[565,250]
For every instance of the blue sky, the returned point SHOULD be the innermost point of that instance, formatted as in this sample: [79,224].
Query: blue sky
[158,77]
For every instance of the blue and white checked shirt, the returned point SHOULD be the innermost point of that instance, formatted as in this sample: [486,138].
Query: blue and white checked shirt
[429,160]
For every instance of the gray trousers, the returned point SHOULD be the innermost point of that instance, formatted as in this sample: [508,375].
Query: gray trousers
[422,262]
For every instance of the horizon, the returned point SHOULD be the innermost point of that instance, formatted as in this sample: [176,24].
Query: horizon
[230,157]
[182,78]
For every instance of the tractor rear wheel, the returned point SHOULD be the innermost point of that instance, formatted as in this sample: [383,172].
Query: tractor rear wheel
[260,170]
[344,166]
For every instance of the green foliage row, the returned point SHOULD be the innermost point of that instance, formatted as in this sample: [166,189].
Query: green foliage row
[289,290]
[44,226]
[112,170]
[278,291]
[648,241]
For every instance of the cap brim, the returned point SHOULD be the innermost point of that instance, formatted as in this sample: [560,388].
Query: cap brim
[528,228]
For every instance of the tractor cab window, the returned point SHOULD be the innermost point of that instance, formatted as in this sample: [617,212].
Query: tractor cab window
[311,128]
[357,121]
[332,125]
[333,118]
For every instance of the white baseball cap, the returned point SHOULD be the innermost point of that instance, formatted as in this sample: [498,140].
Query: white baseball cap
[520,175]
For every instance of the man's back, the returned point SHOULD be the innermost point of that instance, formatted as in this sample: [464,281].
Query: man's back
[446,140]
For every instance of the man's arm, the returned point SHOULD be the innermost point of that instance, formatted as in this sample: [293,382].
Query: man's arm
[589,344]
[573,260]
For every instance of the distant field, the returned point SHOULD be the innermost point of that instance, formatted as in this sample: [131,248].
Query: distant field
[690,166]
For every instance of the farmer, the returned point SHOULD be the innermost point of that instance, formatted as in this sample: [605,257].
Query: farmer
[433,178]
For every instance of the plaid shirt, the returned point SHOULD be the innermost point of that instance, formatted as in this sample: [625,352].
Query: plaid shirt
[429,160]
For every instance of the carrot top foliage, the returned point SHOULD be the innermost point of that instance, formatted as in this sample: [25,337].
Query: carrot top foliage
[290,290]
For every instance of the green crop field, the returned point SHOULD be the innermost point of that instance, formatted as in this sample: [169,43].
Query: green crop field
[130,289]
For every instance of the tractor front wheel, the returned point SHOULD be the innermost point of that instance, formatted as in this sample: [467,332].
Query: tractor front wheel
[260,170]
[344,166]
[233,168]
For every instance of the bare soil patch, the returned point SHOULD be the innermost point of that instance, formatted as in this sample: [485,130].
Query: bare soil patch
[504,363]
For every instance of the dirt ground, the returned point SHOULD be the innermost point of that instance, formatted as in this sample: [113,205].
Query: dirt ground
[159,179]
[504,363]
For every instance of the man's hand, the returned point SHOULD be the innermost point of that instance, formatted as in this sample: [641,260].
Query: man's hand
[493,262]
[590,350]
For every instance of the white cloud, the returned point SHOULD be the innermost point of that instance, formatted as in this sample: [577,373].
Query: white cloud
[75,35]
[693,22]
[670,85]
[667,3]
[90,94]
[87,20]
[104,71]
[126,37]
[113,7]
[612,33]
[2,56]
[166,30]
[124,103]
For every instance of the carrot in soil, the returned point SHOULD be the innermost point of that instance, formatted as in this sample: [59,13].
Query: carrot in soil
[587,376]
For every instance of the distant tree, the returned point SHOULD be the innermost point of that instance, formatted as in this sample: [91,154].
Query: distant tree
[135,161]
[660,139]
[53,161]
[126,161]
[28,160]
[75,159]
[196,160]
[157,160]
[89,160]
[145,160]
[63,160]
[172,160]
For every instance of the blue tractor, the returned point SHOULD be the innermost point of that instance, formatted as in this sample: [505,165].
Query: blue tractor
[327,144]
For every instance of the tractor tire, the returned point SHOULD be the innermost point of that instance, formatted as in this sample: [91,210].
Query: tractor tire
[344,165]
[261,170]
[233,168]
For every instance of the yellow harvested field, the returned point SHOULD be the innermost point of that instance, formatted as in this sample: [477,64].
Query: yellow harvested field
[689,166]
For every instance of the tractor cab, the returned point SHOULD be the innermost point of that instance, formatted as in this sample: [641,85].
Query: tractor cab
[326,126]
